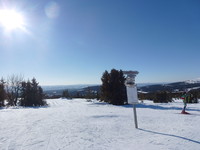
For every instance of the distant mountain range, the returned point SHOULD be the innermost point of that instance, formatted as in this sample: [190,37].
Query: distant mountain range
[193,81]
[80,86]
[72,89]
[64,87]
[173,87]
[143,87]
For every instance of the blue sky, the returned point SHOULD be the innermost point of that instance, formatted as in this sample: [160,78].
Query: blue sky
[75,41]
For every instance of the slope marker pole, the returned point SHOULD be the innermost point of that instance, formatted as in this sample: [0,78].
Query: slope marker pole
[135,116]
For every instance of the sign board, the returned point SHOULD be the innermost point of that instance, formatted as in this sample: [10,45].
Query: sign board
[132,91]
[132,94]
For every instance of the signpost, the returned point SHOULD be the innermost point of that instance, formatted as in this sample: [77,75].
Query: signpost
[132,91]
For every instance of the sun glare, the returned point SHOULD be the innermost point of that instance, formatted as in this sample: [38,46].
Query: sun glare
[11,19]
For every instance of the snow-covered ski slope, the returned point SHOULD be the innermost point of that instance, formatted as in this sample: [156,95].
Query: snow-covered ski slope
[81,125]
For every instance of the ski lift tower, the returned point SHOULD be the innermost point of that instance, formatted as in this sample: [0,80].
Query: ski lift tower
[132,91]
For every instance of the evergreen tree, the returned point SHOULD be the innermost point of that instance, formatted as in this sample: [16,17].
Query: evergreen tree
[117,87]
[194,96]
[113,89]
[123,92]
[32,94]
[162,97]
[26,96]
[90,94]
[105,87]
[40,96]
[2,92]
[23,100]
[78,95]
[65,94]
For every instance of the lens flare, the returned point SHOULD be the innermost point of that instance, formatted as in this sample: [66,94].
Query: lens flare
[52,10]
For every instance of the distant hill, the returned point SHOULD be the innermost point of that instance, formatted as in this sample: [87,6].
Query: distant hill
[82,89]
[172,87]
[64,87]
[57,90]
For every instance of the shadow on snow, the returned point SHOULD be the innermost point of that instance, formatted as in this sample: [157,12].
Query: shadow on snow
[104,116]
[23,107]
[170,135]
[159,107]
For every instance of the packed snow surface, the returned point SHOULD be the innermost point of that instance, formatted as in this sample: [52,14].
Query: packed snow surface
[81,125]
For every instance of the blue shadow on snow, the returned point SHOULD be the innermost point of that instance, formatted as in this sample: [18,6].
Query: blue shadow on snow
[159,107]
[171,135]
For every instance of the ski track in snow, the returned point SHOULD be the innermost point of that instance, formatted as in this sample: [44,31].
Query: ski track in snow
[80,125]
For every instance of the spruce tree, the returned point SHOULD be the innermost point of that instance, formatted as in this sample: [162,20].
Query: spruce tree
[2,92]
[32,94]
[105,87]
[40,96]
[162,97]
[89,94]
[27,95]
[116,83]
[113,89]
[65,94]
[23,100]
[123,92]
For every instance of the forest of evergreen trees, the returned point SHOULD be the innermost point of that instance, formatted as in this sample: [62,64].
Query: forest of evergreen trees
[17,92]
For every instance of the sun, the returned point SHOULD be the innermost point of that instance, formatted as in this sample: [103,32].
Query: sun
[11,19]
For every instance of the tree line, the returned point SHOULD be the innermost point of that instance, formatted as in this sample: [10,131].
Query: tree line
[168,96]
[17,92]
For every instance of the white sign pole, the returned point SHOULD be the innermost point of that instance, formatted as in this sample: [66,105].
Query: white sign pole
[132,92]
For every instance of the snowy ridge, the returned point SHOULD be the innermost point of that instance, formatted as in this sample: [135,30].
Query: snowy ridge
[193,81]
[194,88]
